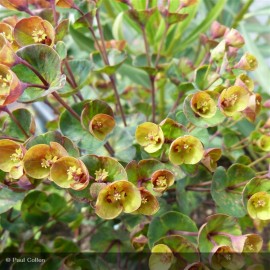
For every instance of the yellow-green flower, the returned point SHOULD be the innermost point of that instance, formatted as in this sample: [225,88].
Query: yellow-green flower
[264,142]
[39,159]
[149,203]
[203,105]
[247,62]
[210,158]
[69,172]
[186,150]
[258,206]
[117,197]
[162,179]
[11,158]
[245,81]
[233,99]
[150,136]
[10,86]
[254,107]
[34,30]
[101,125]
[161,258]
[247,243]
[224,257]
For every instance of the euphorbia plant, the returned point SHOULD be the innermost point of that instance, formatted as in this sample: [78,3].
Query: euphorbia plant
[158,139]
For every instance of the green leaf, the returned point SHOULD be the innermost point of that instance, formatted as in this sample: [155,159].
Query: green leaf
[217,224]
[114,169]
[116,59]
[8,198]
[73,129]
[47,62]
[63,245]
[81,70]
[35,208]
[170,221]
[227,197]
[26,119]
[204,25]
[190,200]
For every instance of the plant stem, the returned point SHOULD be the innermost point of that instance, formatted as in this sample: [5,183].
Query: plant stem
[188,188]
[65,105]
[153,97]
[184,233]
[11,138]
[162,43]
[207,183]
[242,13]
[54,12]
[259,160]
[25,63]
[77,117]
[14,119]
[239,143]
[37,86]
[72,78]
[106,61]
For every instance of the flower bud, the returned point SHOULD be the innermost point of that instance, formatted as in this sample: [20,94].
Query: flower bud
[218,52]
[217,30]
[234,38]
[161,180]
[264,142]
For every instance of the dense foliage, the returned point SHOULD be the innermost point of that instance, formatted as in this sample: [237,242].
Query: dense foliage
[157,154]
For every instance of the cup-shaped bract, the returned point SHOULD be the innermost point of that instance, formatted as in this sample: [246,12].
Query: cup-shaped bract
[161,258]
[69,172]
[149,203]
[245,81]
[15,4]
[247,243]
[39,159]
[234,39]
[254,107]
[162,179]
[210,158]
[218,52]
[11,87]
[101,125]
[34,30]
[264,142]
[65,3]
[186,150]
[233,99]
[258,206]
[224,257]
[7,54]
[11,158]
[247,62]
[203,105]
[117,197]
[150,136]
[217,30]
[7,31]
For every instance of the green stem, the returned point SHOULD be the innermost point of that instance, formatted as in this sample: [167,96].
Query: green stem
[10,138]
[242,13]
[66,106]
[259,160]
